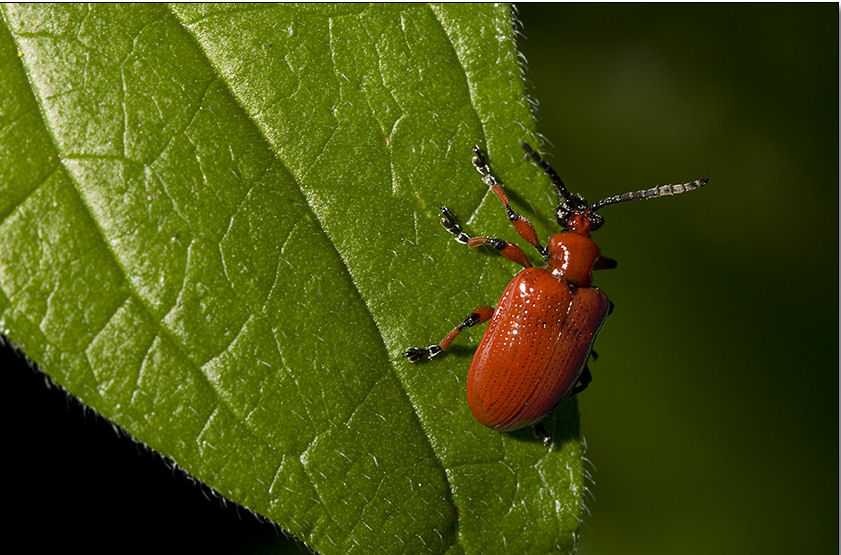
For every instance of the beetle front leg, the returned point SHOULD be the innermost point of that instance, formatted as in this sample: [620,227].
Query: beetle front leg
[509,250]
[583,381]
[521,224]
[478,316]
[604,263]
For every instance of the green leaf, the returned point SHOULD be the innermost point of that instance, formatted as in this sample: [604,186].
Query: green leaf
[219,229]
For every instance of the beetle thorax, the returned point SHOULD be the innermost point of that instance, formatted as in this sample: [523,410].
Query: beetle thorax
[571,257]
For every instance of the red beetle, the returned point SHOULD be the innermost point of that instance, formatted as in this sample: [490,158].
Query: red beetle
[534,353]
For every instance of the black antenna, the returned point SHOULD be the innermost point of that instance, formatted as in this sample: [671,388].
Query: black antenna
[559,184]
[654,192]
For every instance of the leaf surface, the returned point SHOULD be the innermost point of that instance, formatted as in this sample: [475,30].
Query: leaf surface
[218,228]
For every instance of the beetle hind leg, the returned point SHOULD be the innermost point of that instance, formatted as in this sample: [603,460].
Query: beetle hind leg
[583,381]
[478,316]
[541,434]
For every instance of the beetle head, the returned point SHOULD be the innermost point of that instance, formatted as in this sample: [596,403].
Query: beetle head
[575,214]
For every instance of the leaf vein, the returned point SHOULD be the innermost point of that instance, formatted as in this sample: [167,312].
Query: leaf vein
[8,212]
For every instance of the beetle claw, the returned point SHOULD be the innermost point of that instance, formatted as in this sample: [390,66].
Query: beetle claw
[414,354]
[541,434]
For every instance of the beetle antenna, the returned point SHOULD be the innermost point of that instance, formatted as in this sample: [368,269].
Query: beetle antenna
[556,180]
[654,192]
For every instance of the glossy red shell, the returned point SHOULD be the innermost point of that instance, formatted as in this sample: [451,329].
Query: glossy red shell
[534,349]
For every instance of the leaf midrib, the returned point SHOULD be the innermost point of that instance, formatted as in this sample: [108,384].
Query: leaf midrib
[346,267]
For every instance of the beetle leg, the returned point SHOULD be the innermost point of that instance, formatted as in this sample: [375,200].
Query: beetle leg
[583,381]
[448,220]
[478,316]
[541,434]
[604,263]
[521,224]
[508,250]
[594,354]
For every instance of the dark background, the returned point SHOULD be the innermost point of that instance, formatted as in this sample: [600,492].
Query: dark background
[712,423]
[712,420]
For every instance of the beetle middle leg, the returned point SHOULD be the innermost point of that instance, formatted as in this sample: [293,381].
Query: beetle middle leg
[521,224]
[509,250]
[478,316]
[583,381]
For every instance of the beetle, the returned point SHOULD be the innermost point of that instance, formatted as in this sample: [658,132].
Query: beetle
[535,350]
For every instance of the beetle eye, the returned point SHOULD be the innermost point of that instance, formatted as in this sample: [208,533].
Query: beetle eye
[562,214]
[596,221]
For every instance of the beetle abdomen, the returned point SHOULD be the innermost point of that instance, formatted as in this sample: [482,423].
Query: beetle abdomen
[534,349]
